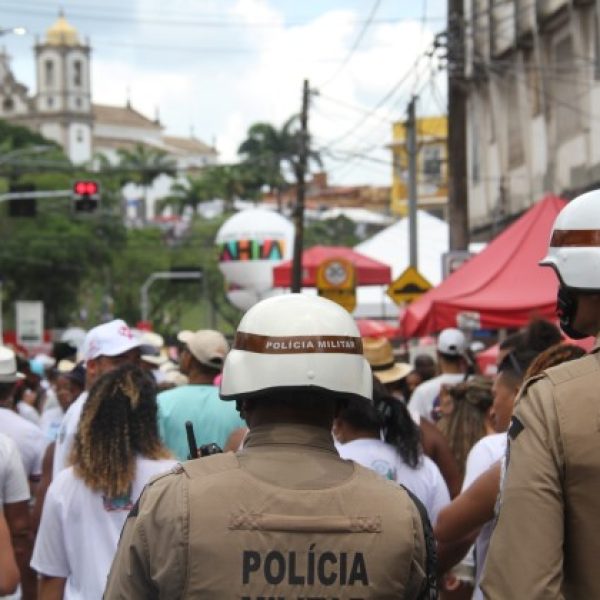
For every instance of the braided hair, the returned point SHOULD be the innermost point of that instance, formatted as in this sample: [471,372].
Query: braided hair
[118,423]
[465,426]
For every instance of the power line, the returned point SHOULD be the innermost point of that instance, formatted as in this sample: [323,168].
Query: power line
[379,104]
[208,22]
[356,44]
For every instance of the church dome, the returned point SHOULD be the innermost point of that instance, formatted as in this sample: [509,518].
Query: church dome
[62,33]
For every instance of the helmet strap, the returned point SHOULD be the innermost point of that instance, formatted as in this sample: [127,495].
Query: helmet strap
[566,305]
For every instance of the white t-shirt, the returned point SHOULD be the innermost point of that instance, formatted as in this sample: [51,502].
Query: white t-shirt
[425,482]
[80,529]
[483,455]
[13,480]
[424,395]
[28,412]
[51,422]
[66,434]
[29,440]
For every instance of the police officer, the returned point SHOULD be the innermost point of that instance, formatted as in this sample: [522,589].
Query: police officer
[286,517]
[547,538]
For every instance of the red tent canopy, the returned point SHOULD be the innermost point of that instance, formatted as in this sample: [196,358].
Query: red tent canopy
[368,271]
[502,286]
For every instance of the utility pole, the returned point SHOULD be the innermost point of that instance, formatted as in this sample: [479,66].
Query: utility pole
[458,206]
[411,147]
[300,193]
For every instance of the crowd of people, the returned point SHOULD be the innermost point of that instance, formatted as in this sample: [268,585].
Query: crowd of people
[335,461]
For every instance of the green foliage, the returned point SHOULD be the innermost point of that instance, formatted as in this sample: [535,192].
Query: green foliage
[333,232]
[48,259]
[272,153]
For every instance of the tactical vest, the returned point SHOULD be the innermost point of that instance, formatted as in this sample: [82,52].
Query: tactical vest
[251,540]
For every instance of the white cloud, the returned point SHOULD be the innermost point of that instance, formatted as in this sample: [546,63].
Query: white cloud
[221,93]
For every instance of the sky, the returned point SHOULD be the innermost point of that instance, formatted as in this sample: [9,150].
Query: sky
[214,67]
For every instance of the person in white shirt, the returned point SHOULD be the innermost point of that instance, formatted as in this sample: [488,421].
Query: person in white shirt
[14,503]
[28,438]
[382,436]
[105,348]
[453,364]
[116,451]
[486,453]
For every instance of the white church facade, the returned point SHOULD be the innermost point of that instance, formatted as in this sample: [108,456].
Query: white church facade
[62,110]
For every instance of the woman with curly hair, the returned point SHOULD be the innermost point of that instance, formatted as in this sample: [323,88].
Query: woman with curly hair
[117,450]
[383,436]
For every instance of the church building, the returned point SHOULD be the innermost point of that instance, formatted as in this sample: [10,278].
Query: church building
[62,109]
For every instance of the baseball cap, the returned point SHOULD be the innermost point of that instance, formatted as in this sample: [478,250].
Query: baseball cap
[207,346]
[109,339]
[452,342]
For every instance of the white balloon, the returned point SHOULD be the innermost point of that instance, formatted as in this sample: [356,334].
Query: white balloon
[251,243]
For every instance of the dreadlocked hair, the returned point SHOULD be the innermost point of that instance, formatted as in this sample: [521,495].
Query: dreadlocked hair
[465,426]
[118,423]
[390,416]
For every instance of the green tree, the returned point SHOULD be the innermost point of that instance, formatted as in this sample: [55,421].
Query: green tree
[273,154]
[47,259]
[142,165]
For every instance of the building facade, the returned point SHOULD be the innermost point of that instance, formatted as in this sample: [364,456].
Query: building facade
[62,110]
[533,115]
[432,167]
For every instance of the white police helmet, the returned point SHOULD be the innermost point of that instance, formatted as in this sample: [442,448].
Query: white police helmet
[574,251]
[296,341]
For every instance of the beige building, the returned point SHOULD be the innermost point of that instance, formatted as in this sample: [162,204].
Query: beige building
[432,166]
[533,70]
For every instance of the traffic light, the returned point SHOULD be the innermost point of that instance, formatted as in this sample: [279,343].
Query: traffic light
[86,196]
[22,207]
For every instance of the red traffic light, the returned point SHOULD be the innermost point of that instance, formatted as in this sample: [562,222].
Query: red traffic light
[86,188]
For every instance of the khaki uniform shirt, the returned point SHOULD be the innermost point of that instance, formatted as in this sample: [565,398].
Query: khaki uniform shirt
[286,518]
[547,539]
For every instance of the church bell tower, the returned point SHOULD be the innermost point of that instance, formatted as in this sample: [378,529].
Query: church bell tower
[63,101]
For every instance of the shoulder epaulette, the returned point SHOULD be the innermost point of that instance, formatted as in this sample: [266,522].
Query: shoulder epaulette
[573,369]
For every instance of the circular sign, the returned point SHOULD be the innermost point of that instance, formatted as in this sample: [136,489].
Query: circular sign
[336,273]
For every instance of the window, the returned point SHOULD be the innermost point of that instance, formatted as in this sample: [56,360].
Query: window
[49,72]
[516,151]
[475,149]
[566,90]
[79,135]
[8,104]
[77,73]
[50,102]
[432,164]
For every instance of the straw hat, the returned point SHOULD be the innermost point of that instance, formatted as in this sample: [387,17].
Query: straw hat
[8,366]
[380,355]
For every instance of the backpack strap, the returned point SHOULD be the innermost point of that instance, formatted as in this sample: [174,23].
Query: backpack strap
[430,591]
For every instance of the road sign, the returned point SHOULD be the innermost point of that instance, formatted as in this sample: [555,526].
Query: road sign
[408,287]
[30,322]
[336,281]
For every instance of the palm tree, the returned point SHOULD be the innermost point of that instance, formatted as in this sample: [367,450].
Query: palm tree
[142,165]
[272,153]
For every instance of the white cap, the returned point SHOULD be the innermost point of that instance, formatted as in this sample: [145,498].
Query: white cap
[207,346]
[8,366]
[452,342]
[109,339]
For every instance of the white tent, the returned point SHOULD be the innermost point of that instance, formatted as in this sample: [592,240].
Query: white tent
[391,246]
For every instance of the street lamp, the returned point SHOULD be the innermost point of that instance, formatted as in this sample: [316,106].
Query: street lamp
[15,30]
